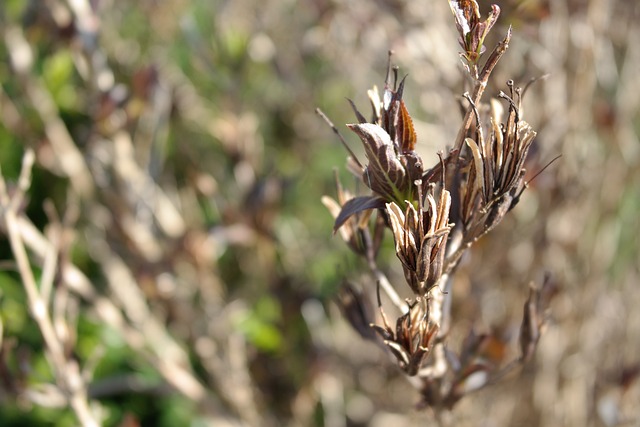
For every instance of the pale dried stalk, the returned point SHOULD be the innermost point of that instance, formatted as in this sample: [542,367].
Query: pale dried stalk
[381,278]
[70,161]
[108,312]
[147,334]
[66,370]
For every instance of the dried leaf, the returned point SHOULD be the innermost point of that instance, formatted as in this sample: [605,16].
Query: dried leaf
[530,329]
[405,132]
[533,319]
[359,116]
[356,205]
[466,15]
[384,174]
[477,166]
[357,308]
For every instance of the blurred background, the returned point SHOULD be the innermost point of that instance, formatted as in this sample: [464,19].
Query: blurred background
[174,223]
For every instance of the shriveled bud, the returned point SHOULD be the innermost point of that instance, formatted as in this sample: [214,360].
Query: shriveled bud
[472,30]
[388,173]
[420,237]
[412,338]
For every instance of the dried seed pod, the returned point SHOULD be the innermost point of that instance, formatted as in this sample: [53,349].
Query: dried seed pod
[420,237]
[413,337]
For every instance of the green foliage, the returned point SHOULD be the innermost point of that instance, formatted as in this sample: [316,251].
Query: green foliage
[58,74]
[259,325]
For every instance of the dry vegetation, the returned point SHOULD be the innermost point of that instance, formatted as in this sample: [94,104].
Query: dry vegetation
[166,259]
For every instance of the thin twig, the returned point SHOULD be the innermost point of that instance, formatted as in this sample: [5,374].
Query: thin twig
[381,278]
[342,140]
[66,370]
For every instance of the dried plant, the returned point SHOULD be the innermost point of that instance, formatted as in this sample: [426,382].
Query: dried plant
[163,260]
[435,214]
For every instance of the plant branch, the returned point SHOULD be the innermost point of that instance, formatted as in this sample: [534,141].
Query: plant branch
[478,90]
[66,369]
